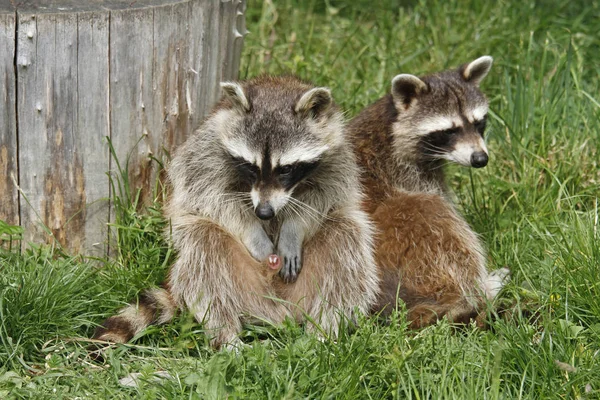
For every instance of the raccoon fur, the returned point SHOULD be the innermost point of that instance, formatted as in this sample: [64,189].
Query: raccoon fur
[427,254]
[270,171]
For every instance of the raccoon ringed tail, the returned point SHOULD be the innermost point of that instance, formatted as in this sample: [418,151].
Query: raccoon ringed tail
[154,307]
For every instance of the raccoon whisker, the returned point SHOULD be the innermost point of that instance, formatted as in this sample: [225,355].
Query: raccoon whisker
[297,211]
[231,201]
[232,198]
[442,164]
[310,210]
[433,146]
[248,208]
[304,214]
[435,149]
[309,183]
[227,196]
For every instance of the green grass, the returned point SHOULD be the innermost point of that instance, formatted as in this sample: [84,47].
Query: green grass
[536,206]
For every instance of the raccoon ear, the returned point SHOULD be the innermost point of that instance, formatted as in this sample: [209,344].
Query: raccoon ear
[314,102]
[476,70]
[406,87]
[235,93]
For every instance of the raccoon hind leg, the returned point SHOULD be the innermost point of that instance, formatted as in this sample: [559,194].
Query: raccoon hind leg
[453,307]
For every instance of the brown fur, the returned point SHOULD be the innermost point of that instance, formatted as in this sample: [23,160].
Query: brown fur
[424,246]
[427,255]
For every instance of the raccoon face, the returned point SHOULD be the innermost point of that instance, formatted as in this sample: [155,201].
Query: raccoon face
[271,186]
[445,114]
[276,142]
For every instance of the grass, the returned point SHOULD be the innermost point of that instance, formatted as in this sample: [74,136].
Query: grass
[536,207]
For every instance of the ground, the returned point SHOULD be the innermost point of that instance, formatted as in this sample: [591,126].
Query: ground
[535,206]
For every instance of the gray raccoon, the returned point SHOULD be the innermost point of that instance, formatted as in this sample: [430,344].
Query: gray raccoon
[269,171]
[426,253]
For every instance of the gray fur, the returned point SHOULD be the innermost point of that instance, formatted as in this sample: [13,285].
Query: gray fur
[283,115]
[278,120]
[289,248]
[220,274]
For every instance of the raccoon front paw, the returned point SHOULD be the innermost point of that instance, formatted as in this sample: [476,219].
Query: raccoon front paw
[261,253]
[259,246]
[292,262]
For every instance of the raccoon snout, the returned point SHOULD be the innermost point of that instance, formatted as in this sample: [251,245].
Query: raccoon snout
[479,159]
[264,211]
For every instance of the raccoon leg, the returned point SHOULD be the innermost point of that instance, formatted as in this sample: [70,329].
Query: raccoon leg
[460,308]
[218,279]
[429,258]
[154,306]
[289,248]
[257,242]
[339,274]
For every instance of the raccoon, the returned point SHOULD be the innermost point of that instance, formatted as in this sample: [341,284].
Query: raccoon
[270,171]
[427,254]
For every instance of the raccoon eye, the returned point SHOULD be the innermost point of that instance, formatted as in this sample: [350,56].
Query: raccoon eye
[289,175]
[450,132]
[285,169]
[480,126]
[246,170]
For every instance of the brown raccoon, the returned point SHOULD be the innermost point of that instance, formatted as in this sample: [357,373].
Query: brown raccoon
[269,171]
[427,254]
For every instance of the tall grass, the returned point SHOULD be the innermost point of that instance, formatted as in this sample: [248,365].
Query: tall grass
[535,206]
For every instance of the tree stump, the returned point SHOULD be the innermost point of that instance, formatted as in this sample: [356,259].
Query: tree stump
[75,72]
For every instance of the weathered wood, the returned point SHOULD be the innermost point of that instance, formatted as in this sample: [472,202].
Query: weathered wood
[93,123]
[51,160]
[78,6]
[143,73]
[9,199]
[134,134]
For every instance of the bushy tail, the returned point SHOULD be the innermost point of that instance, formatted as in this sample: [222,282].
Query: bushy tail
[155,306]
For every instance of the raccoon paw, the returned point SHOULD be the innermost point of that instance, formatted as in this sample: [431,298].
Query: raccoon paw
[495,281]
[260,247]
[292,263]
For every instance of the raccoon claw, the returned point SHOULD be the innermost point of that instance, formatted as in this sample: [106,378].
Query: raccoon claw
[291,268]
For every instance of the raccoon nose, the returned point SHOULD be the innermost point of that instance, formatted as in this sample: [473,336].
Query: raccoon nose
[479,159]
[264,211]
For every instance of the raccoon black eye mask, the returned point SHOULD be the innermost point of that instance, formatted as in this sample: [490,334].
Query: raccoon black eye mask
[290,175]
[248,172]
[287,175]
